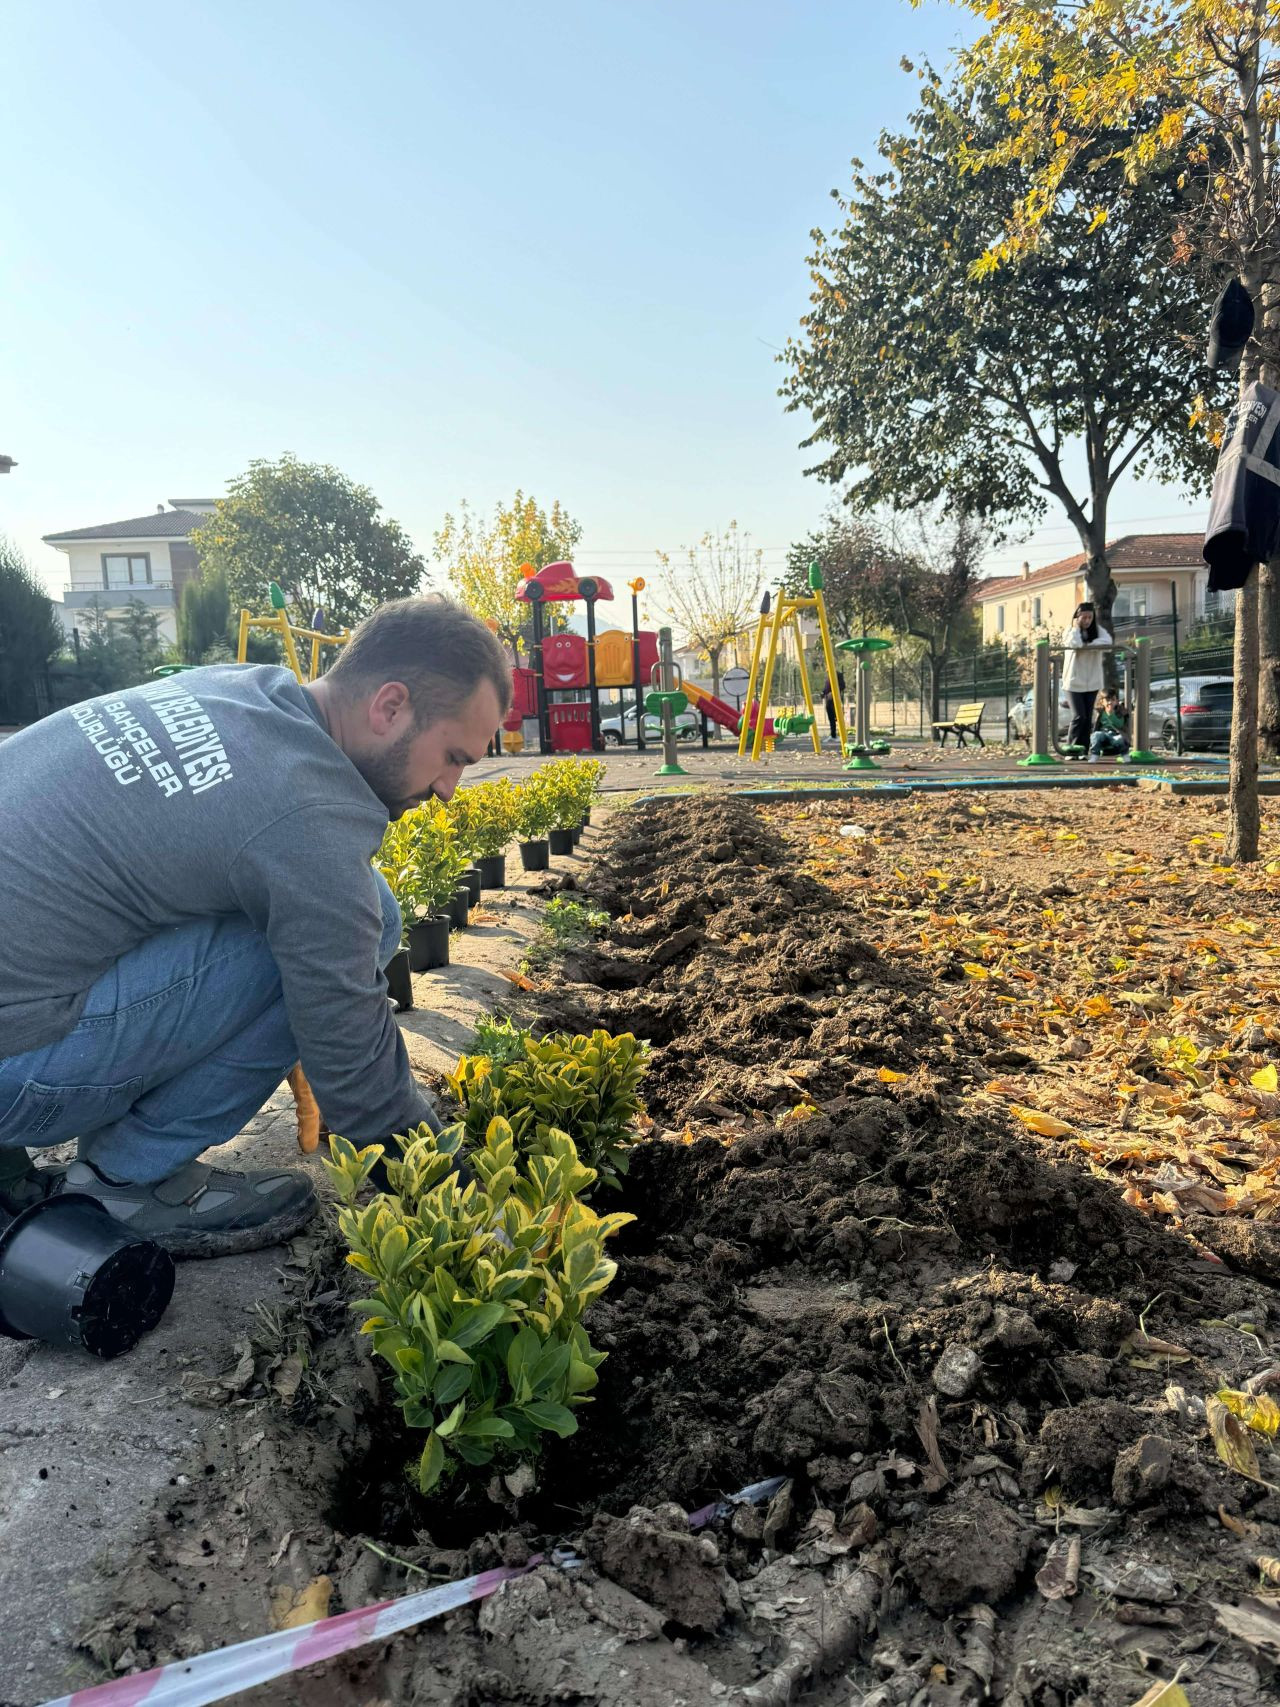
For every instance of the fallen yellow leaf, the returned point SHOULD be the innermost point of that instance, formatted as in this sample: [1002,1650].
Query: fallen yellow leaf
[1047,1125]
[1265,1079]
[889,1077]
[1164,1695]
[976,971]
[1258,1412]
[1231,1439]
[292,1607]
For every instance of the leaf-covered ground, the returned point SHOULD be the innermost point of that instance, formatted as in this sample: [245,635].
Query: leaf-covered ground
[1126,978]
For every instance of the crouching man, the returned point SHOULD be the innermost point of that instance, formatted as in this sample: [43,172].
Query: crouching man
[187,908]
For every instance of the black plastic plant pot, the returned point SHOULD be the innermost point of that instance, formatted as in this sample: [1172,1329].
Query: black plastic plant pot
[561,842]
[71,1274]
[535,856]
[399,983]
[586,817]
[470,880]
[429,943]
[576,833]
[459,907]
[493,871]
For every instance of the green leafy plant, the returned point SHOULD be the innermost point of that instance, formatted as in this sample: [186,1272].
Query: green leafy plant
[484,816]
[502,1040]
[565,924]
[565,787]
[588,1087]
[535,812]
[436,853]
[572,922]
[422,861]
[479,1291]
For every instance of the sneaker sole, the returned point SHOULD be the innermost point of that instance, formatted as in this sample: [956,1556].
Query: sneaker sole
[188,1244]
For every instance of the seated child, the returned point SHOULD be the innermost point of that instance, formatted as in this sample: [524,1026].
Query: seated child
[1109,735]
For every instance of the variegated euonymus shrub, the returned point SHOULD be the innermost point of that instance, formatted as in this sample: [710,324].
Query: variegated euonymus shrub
[588,1087]
[479,1291]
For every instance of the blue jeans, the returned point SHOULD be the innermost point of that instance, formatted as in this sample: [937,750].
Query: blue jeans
[179,1044]
[1104,741]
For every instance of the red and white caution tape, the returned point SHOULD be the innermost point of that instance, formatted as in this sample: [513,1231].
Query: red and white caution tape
[226,1671]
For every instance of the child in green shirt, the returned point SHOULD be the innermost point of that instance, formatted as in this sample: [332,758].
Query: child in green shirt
[1109,735]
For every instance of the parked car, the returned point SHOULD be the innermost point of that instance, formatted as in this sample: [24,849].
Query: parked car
[615,730]
[1022,717]
[1206,715]
[1164,699]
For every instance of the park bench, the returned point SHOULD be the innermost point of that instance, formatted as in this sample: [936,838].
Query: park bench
[967,721]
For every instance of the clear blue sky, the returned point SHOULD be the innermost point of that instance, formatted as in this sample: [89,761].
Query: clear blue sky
[451,249]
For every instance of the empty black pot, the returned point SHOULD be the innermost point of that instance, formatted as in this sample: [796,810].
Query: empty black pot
[459,907]
[561,842]
[471,880]
[73,1275]
[535,855]
[493,871]
[399,983]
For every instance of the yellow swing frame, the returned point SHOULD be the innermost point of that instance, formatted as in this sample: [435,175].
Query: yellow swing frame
[786,612]
[277,622]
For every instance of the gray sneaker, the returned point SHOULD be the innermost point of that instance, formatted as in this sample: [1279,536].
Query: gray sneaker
[203,1211]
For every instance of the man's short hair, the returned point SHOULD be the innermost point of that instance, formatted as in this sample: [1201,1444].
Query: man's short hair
[437,648]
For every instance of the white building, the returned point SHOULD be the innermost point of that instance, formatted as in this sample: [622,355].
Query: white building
[145,557]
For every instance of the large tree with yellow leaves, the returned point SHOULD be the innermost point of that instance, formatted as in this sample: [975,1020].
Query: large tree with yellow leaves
[484,558]
[1191,86]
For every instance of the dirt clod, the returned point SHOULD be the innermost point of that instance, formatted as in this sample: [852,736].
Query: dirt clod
[653,1554]
[973,1548]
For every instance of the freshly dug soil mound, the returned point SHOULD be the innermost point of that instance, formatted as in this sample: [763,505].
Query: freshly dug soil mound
[956,1344]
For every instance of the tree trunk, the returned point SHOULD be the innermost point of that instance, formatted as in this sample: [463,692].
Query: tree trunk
[1269,661]
[935,689]
[1102,591]
[1255,274]
[1242,786]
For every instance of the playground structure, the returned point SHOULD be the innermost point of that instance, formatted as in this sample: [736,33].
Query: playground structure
[565,663]
[1046,680]
[277,622]
[775,617]
[860,749]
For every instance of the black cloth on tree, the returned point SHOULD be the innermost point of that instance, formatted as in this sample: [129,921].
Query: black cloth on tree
[1244,511]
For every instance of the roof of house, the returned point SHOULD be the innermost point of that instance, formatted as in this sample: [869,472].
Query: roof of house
[160,524]
[1131,551]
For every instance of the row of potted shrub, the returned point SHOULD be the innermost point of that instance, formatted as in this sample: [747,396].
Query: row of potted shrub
[546,814]
[438,858]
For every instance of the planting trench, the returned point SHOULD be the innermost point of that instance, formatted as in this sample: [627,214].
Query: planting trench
[920,1316]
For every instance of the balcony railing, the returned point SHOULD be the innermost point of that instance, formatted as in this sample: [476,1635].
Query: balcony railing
[123,592]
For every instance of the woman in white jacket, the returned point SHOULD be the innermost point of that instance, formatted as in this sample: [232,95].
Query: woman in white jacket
[1085,647]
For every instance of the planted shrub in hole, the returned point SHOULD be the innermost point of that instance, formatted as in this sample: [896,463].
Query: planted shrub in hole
[479,1292]
[588,1087]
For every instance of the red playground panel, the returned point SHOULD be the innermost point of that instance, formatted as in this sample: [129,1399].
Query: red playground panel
[524,697]
[570,727]
[564,662]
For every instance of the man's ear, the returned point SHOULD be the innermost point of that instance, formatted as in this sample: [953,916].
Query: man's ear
[390,710]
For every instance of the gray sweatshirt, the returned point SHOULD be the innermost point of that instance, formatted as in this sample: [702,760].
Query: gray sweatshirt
[209,793]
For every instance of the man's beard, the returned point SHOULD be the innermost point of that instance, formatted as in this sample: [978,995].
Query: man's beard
[385,774]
